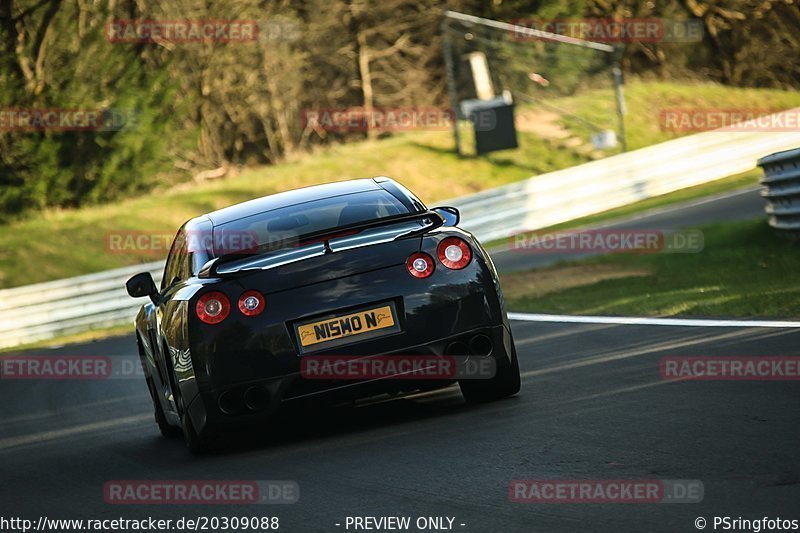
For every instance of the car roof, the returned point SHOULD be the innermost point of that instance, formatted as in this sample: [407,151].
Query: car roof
[293,197]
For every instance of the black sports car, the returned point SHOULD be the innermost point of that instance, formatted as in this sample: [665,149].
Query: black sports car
[358,267]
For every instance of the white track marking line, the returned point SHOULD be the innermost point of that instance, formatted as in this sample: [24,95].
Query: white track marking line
[632,388]
[23,440]
[614,355]
[648,321]
[60,413]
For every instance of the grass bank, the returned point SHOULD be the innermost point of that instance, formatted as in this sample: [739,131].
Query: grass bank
[62,243]
[744,270]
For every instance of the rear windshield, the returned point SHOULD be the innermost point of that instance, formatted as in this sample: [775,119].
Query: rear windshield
[293,223]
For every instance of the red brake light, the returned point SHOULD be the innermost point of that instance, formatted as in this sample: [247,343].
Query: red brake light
[251,303]
[454,253]
[420,265]
[213,307]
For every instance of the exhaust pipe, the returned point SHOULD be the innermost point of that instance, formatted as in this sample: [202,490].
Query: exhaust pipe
[481,345]
[256,398]
[230,402]
[457,348]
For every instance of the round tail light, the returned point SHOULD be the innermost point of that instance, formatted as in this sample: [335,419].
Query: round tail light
[213,307]
[420,265]
[454,253]
[251,303]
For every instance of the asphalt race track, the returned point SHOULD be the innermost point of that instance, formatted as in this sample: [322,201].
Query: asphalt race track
[592,406]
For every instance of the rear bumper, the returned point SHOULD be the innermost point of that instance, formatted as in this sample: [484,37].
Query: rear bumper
[263,352]
[447,303]
[257,399]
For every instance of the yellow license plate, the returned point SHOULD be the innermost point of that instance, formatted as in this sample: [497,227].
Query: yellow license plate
[346,326]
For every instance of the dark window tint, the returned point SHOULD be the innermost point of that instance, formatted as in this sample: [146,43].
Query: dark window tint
[294,222]
[177,267]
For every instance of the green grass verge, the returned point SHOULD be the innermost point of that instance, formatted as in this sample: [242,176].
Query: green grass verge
[63,243]
[84,337]
[646,100]
[58,244]
[744,270]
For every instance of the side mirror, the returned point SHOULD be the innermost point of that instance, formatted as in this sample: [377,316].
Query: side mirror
[141,285]
[450,214]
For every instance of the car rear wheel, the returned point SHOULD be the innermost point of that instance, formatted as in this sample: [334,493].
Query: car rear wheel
[197,443]
[164,427]
[506,382]
[167,430]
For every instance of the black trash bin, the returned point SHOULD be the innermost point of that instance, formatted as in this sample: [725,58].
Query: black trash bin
[493,123]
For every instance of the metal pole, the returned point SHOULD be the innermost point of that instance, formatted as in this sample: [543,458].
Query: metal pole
[620,101]
[447,50]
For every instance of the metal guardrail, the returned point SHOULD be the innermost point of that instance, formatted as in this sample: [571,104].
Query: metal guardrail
[781,183]
[39,312]
[46,310]
[619,180]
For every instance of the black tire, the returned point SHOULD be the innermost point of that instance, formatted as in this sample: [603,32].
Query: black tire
[506,382]
[167,431]
[196,443]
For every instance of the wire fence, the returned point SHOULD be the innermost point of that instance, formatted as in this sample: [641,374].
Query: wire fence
[565,90]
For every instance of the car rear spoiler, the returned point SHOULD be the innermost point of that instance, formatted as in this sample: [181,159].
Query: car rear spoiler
[319,243]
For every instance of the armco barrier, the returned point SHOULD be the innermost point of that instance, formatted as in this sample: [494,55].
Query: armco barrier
[601,185]
[782,189]
[43,311]
[38,312]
